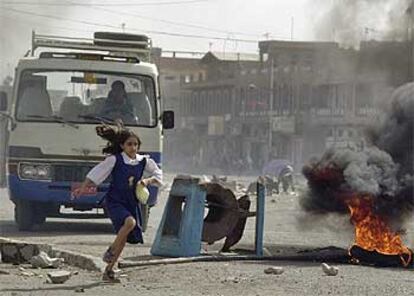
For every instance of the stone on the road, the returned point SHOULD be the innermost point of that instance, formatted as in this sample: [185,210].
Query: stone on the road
[80,290]
[274,270]
[59,276]
[44,261]
[329,270]
[5,272]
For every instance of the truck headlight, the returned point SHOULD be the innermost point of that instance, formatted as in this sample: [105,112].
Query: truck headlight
[35,171]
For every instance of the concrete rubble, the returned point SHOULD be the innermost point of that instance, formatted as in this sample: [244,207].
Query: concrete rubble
[329,270]
[19,252]
[274,270]
[59,276]
[44,261]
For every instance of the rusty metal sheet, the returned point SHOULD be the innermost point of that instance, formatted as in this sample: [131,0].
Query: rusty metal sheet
[223,213]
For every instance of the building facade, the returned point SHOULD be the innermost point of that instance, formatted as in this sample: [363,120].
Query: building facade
[291,101]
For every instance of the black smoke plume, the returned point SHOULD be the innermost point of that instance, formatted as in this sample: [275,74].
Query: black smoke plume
[384,171]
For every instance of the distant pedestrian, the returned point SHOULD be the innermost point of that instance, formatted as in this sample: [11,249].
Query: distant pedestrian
[286,179]
[126,167]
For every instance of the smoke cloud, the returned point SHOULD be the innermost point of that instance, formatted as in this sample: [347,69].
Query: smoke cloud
[383,171]
[350,21]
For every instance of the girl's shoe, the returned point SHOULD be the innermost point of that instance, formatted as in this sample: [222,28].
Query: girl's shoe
[108,256]
[109,276]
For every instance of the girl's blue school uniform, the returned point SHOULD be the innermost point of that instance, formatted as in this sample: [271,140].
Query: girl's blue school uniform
[121,201]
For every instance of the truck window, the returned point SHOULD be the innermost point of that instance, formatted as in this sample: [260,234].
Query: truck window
[84,97]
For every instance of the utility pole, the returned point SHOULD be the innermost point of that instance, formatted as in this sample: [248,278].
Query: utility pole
[410,38]
[271,97]
[411,10]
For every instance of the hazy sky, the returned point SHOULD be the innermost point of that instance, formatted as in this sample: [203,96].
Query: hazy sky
[340,20]
[252,18]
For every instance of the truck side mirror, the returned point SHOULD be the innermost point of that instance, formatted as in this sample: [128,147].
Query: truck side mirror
[3,101]
[168,119]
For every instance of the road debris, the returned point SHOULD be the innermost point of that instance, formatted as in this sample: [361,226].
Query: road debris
[4,272]
[80,290]
[26,273]
[274,270]
[44,261]
[329,270]
[59,276]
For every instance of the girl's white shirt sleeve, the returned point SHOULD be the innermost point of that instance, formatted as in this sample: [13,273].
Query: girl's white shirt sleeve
[102,171]
[152,169]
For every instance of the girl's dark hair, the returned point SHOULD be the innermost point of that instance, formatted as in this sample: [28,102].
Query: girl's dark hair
[116,136]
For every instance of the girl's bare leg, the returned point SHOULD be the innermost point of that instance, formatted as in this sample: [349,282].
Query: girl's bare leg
[120,240]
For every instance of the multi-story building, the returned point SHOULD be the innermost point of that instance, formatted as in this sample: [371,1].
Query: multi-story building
[177,69]
[291,101]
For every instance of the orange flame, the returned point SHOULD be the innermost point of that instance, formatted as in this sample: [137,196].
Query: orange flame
[372,233]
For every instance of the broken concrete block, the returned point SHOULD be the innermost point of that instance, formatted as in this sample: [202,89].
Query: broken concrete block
[9,253]
[44,261]
[329,270]
[59,276]
[27,252]
[274,270]
[19,252]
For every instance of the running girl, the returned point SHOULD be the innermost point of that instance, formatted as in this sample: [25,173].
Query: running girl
[126,168]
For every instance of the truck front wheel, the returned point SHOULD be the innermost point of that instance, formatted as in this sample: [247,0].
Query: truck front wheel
[24,215]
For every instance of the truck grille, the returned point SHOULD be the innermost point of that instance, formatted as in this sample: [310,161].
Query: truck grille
[71,173]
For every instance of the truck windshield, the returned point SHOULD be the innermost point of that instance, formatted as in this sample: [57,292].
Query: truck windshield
[86,97]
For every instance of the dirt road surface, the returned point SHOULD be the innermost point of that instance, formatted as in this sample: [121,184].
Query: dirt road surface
[286,226]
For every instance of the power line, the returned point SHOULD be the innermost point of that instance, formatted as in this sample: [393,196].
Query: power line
[101,4]
[42,25]
[177,23]
[172,34]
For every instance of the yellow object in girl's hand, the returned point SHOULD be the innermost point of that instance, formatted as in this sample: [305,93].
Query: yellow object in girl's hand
[142,193]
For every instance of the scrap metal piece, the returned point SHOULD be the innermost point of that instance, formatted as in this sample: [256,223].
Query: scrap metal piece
[223,213]
[236,234]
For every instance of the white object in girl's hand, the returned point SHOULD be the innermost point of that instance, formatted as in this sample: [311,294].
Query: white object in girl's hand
[142,193]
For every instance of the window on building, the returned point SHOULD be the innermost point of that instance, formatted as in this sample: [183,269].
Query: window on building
[330,132]
[294,60]
[169,77]
[187,78]
[364,96]
[320,98]
[200,76]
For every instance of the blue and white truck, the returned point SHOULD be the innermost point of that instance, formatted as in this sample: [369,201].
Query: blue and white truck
[57,100]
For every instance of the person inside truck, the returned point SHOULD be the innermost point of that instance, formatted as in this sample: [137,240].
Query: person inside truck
[118,105]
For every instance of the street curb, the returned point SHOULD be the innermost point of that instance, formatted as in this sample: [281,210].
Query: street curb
[84,261]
